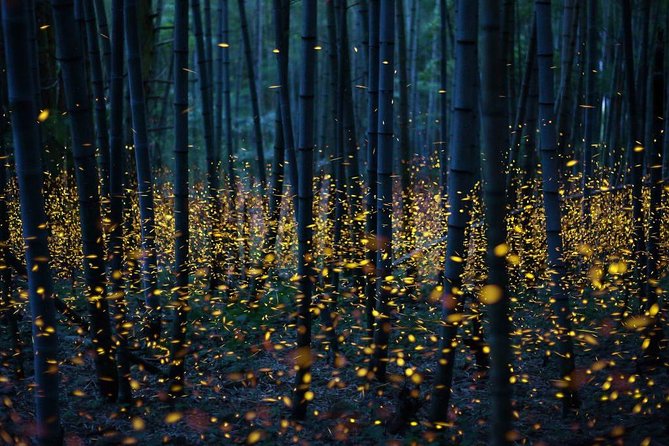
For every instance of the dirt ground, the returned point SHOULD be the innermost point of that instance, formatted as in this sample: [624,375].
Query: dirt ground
[240,376]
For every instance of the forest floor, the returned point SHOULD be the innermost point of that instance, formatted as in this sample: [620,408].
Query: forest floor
[240,377]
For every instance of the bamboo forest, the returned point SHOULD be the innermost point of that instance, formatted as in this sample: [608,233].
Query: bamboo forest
[356,222]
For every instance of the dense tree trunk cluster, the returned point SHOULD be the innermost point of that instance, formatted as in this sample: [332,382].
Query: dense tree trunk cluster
[435,167]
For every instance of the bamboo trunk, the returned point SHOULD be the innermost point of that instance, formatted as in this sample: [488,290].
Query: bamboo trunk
[654,140]
[635,148]
[282,24]
[372,141]
[179,346]
[27,153]
[305,221]
[462,167]
[144,175]
[494,122]
[551,191]
[248,56]
[405,149]
[590,108]
[70,53]
[105,40]
[212,155]
[117,197]
[384,199]
[99,98]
